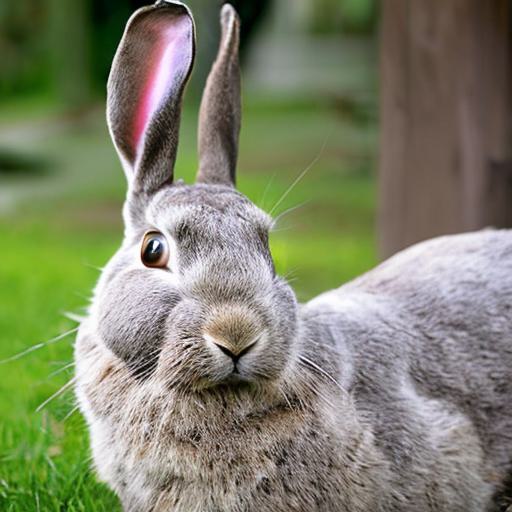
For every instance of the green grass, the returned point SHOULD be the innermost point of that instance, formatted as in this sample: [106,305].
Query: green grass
[52,241]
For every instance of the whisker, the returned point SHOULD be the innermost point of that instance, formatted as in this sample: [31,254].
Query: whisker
[37,346]
[291,280]
[286,399]
[94,267]
[322,371]
[56,394]
[287,211]
[70,413]
[299,177]
[290,274]
[282,230]
[316,391]
[82,296]
[57,363]
[74,317]
[60,370]
[265,191]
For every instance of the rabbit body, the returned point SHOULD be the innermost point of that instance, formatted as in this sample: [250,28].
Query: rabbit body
[419,417]
[207,388]
[428,338]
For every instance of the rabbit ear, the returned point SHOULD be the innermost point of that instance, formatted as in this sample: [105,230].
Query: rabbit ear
[219,117]
[144,92]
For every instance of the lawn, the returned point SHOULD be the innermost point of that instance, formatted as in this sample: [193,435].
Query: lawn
[66,224]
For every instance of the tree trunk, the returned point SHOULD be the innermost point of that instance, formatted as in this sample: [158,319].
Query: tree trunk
[446,154]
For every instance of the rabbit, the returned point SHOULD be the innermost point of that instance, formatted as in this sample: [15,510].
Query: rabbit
[206,387]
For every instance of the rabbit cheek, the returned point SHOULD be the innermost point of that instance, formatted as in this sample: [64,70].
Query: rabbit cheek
[285,323]
[132,323]
[183,361]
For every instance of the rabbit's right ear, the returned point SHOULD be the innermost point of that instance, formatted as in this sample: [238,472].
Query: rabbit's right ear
[145,88]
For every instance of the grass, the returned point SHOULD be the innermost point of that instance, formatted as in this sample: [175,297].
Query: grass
[66,224]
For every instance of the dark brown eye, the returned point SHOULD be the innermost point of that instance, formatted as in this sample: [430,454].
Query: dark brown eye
[155,250]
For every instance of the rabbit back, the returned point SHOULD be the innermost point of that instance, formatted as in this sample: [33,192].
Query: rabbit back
[426,346]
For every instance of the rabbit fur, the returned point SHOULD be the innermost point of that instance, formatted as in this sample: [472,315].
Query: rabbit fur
[391,393]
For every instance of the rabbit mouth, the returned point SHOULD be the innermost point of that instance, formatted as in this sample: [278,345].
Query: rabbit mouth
[235,382]
[237,379]
[234,378]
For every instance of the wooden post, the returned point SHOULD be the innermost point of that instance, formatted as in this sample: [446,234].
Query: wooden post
[445,162]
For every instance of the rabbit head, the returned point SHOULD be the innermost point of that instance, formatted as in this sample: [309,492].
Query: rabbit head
[191,297]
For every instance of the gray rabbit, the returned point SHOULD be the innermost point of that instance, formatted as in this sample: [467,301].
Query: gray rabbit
[207,388]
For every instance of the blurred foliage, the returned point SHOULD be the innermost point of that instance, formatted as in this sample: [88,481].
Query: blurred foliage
[69,40]
[65,47]
[344,16]
[17,163]
[24,65]
[252,14]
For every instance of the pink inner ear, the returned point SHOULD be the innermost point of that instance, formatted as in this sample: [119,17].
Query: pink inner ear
[168,60]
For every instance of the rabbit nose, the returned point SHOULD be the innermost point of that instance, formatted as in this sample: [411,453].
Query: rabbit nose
[232,329]
[234,354]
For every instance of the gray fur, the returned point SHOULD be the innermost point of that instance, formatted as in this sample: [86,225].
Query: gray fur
[392,393]
[220,113]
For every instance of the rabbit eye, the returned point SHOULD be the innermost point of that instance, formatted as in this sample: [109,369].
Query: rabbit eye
[155,250]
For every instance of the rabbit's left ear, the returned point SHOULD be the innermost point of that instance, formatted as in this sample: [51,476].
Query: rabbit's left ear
[145,89]
[220,112]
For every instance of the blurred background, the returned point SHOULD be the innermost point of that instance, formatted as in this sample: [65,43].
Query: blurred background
[317,76]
